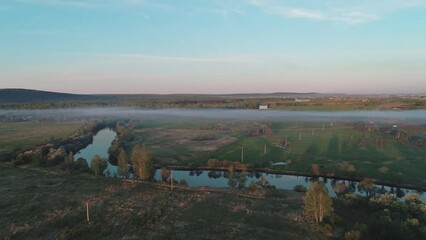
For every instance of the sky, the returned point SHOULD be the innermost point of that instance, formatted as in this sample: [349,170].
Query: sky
[214,46]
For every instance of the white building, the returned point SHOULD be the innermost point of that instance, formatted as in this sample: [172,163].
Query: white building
[301,100]
[263,107]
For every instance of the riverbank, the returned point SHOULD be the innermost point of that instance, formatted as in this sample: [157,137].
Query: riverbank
[55,151]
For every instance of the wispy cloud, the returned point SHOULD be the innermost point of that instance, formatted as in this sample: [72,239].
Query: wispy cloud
[220,7]
[348,12]
[70,3]
[94,3]
[42,32]
[221,59]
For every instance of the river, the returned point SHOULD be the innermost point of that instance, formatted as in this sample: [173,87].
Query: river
[102,141]
[100,145]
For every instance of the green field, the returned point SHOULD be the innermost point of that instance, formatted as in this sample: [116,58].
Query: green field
[40,205]
[325,144]
[192,142]
[21,135]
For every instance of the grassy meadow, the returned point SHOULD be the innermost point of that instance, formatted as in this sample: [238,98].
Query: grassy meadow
[21,135]
[37,204]
[326,144]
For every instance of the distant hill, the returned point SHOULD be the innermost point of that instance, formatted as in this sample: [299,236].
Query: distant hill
[27,95]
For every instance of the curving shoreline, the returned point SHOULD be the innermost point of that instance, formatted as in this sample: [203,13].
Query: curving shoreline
[297,174]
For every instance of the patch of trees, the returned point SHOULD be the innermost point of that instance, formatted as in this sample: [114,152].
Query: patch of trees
[390,218]
[215,163]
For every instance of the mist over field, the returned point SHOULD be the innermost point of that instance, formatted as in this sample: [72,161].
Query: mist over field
[415,116]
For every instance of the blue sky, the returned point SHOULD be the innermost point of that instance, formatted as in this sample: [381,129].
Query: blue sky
[213,46]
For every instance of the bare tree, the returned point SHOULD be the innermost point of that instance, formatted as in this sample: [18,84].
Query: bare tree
[123,168]
[317,203]
[141,162]
[98,165]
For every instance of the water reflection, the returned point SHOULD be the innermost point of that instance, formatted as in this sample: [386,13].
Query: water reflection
[223,179]
[101,143]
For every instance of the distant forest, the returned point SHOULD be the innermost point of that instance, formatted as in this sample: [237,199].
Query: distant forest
[34,99]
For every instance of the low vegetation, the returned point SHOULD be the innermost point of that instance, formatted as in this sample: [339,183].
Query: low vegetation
[123,209]
[15,136]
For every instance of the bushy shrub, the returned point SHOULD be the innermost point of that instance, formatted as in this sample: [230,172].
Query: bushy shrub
[385,201]
[183,183]
[300,188]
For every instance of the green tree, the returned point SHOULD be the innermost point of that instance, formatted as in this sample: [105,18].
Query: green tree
[316,203]
[70,158]
[123,132]
[141,162]
[98,165]
[232,182]
[367,185]
[165,174]
[123,168]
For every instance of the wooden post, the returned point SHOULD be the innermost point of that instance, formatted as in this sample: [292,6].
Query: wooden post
[242,154]
[87,212]
[313,131]
[300,136]
[265,149]
[171,180]
[323,127]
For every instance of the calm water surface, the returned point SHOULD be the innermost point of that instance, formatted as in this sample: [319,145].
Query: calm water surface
[101,143]
[280,181]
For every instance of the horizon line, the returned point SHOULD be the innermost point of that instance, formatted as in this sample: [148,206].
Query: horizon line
[216,94]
